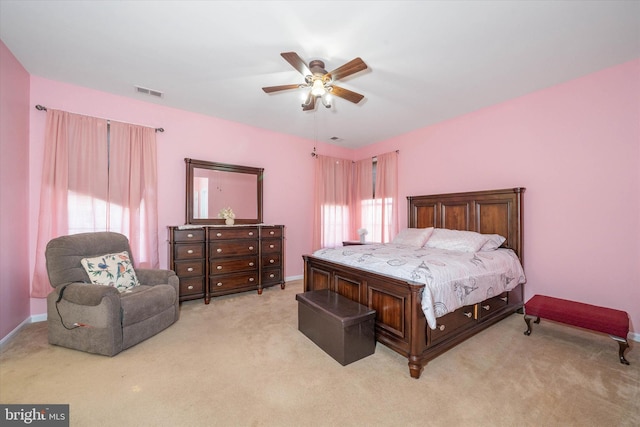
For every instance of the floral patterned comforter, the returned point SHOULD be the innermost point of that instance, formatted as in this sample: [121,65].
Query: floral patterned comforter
[453,279]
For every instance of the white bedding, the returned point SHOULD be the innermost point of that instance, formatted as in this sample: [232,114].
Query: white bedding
[453,279]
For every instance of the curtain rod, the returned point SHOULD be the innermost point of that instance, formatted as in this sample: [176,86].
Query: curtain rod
[314,154]
[42,108]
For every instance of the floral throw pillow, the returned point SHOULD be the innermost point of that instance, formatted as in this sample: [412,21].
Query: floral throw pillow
[113,270]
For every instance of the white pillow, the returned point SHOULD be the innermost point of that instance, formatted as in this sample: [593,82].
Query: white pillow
[456,240]
[494,242]
[413,236]
[113,270]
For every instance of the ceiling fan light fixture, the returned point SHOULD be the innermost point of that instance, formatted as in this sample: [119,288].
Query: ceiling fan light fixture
[326,100]
[318,88]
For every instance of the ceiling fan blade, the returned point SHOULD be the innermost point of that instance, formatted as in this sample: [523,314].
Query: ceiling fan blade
[310,104]
[347,69]
[270,89]
[346,94]
[296,62]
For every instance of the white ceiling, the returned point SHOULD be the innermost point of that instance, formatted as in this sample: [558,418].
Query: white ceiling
[428,61]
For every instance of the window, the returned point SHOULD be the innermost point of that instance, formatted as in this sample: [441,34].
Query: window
[367,195]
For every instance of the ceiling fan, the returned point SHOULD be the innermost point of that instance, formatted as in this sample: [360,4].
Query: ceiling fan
[320,82]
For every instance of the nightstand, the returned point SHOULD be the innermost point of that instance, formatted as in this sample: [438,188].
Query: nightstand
[352,243]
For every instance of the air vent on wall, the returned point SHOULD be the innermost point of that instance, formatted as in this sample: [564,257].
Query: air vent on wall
[151,92]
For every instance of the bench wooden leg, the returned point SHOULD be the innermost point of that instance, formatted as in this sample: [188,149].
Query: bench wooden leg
[528,320]
[623,346]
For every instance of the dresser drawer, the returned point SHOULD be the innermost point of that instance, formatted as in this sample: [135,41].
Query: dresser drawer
[271,260]
[189,268]
[191,286]
[494,304]
[461,318]
[268,232]
[269,245]
[188,251]
[270,276]
[231,281]
[191,235]
[231,248]
[233,233]
[231,265]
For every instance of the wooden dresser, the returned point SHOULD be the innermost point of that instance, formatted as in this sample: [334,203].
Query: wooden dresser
[218,260]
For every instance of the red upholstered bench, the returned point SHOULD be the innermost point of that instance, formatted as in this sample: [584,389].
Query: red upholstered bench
[599,319]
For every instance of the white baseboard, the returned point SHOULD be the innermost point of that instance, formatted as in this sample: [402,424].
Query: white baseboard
[291,278]
[634,337]
[38,318]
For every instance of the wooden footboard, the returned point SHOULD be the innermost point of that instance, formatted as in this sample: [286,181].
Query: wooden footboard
[400,321]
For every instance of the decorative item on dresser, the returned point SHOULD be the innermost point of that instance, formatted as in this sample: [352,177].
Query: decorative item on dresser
[217,260]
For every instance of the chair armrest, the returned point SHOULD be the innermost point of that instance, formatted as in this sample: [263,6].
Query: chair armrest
[86,293]
[151,277]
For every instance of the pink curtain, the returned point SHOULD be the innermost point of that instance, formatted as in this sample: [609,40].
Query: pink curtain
[133,182]
[386,195]
[74,165]
[362,205]
[331,201]
[92,181]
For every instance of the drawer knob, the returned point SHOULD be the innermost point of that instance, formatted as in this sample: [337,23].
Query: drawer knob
[250,248]
[272,246]
[271,276]
[190,235]
[504,299]
[250,264]
[272,232]
[190,251]
[218,234]
[271,261]
[251,233]
[468,314]
[219,284]
[486,307]
[190,287]
[251,279]
[219,267]
[190,269]
[219,250]
[441,327]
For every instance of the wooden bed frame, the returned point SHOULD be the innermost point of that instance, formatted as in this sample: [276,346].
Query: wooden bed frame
[400,321]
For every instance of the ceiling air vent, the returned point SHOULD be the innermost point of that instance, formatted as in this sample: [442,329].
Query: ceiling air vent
[151,92]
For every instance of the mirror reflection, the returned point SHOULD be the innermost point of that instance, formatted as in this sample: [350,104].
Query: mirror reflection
[212,187]
[215,190]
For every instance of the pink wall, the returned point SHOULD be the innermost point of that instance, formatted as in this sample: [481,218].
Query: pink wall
[14,191]
[576,148]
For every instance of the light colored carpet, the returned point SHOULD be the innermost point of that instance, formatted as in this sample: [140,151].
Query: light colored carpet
[241,361]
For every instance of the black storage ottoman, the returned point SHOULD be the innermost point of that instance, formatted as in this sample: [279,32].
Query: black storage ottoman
[344,329]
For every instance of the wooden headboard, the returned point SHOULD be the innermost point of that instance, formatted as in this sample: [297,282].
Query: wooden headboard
[487,212]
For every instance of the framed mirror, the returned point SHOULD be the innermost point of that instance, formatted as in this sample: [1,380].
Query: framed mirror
[212,187]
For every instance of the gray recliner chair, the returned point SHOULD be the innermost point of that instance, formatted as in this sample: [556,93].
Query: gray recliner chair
[96,318]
